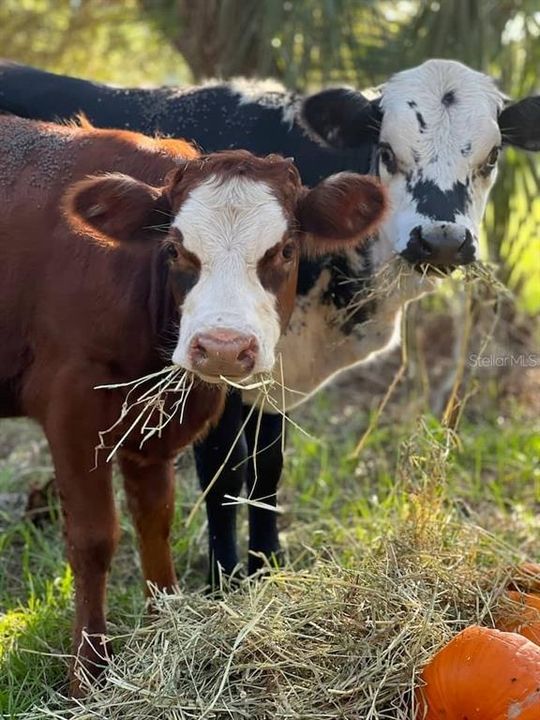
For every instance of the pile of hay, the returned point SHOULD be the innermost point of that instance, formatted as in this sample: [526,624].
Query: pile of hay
[343,633]
[336,639]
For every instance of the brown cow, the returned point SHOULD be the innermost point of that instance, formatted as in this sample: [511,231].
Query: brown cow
[108,278]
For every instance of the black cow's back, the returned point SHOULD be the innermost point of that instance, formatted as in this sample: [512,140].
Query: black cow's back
[215,116]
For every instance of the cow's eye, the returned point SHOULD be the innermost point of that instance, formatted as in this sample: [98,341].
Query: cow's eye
[387,157]
[493,156]
[172,251]
[288,251]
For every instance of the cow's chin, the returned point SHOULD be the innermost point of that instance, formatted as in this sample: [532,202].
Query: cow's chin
[224,379]
[211,379]
[434,270]
[221,379]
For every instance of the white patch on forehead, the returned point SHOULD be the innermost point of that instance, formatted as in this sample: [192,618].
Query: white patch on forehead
[224,220]
[443,116]
[229,225]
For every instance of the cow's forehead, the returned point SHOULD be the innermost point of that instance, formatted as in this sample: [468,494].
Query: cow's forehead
[441,111]
[228,218]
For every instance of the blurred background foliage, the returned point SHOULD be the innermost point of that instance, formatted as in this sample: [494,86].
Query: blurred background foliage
[306,44]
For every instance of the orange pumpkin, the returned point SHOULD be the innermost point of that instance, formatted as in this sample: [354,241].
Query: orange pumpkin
[526,577]
[525,619]
[482,674]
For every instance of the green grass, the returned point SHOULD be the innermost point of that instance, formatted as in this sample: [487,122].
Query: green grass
[491,478]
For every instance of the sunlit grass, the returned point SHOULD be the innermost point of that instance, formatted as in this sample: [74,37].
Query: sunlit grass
[34,633]
[491,479]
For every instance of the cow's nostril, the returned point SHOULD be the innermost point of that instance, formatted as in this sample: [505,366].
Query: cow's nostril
[443,245]
[416,233]
[247,359]
[425,246]
[248,353]
[200,350]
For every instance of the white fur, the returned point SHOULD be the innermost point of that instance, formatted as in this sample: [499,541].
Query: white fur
[267,93]
[254,90]
[314,348]
[229,225]
[471,119]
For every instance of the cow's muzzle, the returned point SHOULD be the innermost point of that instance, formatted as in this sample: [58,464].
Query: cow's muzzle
[223,352]
[442,246]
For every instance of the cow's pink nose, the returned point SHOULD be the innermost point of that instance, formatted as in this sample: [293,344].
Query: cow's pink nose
[223,352]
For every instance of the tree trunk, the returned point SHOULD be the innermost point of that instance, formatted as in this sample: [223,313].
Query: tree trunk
[224,38]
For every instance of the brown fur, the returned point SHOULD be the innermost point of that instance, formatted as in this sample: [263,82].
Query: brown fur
[345,206]
[278,173]
[74,315]
[335,215]
[87,297]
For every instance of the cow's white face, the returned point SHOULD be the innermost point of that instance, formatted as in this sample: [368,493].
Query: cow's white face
[434,134]
[228,226]
[229,259]
[438,147]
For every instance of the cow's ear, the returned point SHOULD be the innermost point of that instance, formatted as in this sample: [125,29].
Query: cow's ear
[520,124]
[116,206]
[341,118]
[339,212]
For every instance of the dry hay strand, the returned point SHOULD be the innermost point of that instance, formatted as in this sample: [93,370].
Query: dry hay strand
[329,641]
[155,400]
[266,400]
[148,406]
[391,279]
[481,286]
[485,276]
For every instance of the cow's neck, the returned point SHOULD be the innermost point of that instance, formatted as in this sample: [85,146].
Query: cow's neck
[327,333]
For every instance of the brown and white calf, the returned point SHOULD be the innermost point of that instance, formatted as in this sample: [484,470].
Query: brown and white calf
[111,277]
[432,133]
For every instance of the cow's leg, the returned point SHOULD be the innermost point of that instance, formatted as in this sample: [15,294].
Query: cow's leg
[91,528]
[91,536]
[150,493]
[264,471]
[210,454]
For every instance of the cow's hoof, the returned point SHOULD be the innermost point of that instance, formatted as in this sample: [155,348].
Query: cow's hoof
[261,562]
[221,581]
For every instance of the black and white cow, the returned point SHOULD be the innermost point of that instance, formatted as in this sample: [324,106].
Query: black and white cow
[433,133]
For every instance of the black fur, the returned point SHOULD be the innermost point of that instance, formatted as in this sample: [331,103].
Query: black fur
[325,133]
[213,116]
[449,98]
[10,398]
[342,118]
[437,204]
[520,124]
[421,122]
